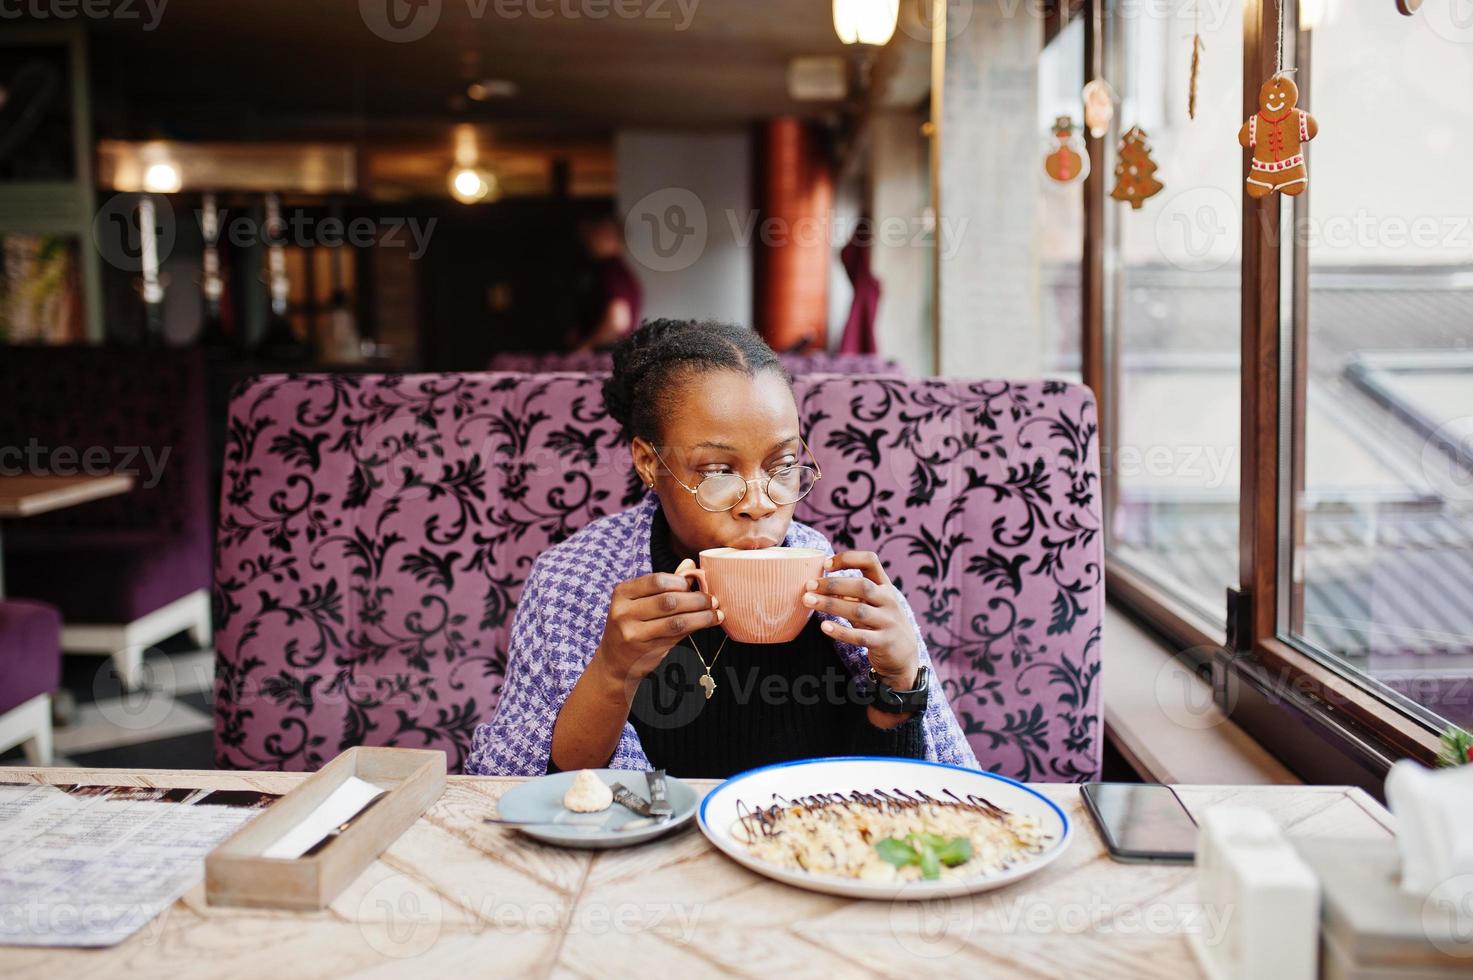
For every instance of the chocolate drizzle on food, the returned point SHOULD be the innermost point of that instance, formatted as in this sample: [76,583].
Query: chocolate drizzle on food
[764,821]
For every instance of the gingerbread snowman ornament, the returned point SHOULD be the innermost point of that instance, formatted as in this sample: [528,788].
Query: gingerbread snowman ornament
[1276,134]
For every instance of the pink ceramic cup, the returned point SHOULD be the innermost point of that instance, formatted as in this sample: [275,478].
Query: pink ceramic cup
[760,590]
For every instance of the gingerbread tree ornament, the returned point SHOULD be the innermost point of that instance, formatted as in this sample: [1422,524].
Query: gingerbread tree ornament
[1276,134]
[1135,172]
[1064,162]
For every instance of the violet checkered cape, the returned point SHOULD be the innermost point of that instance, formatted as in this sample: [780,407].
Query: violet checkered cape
[560,620]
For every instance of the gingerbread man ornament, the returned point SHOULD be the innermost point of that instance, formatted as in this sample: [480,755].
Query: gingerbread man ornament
[1276,134]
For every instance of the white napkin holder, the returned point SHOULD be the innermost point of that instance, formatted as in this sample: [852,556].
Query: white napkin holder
[1250,877]
[1432,810]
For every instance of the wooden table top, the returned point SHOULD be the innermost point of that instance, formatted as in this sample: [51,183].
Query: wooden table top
[453,893]
[28,494]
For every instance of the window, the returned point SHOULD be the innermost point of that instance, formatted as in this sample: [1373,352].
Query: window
[1061,207]
[1382,541]
[1338,326]
[1172,308]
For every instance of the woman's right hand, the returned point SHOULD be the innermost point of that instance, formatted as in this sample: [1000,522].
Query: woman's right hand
[647,616]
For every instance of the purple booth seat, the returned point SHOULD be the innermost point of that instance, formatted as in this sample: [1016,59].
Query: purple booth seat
[816,362]
[30,669]
[375,534]
[127,571]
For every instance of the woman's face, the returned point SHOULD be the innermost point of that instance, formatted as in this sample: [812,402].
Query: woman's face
[723,421]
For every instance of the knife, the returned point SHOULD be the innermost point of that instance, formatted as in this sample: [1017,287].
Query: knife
[635,823]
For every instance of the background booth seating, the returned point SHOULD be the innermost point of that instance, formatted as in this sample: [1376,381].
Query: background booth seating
[816,362]
[30,669]
[127,571]
[375,533]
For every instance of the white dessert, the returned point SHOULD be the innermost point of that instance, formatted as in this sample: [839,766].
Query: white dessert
[588,794]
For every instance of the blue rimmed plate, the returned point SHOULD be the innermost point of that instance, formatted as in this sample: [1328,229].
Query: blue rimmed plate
[719,819]
[541,800]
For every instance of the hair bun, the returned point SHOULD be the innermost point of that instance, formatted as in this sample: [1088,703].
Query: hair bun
[630,362]
[617,402]
[644,361]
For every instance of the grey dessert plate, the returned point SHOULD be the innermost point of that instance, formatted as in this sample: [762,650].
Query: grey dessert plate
[541,800]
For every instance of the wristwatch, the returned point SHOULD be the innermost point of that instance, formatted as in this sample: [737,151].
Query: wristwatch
[894,702]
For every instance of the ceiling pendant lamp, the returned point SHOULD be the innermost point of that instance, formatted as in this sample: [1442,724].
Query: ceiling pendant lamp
[869,22]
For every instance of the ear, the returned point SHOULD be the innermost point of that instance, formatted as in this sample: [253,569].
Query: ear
[646,464]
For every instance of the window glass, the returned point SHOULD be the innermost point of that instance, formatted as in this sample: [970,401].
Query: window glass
[1173,323]
[1383,564]
[1061,207]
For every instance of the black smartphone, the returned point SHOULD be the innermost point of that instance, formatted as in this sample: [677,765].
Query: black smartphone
[1142,822]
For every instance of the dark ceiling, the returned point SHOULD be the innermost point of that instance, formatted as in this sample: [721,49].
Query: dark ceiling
[261,69]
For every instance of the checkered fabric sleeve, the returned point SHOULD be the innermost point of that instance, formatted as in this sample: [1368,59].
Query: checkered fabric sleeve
[559,621]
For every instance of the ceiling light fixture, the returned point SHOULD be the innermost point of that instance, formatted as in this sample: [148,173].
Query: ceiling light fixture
[869,22]
[471,185]
[162,178]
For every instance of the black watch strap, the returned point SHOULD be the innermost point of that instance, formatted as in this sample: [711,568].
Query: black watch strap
[891,701]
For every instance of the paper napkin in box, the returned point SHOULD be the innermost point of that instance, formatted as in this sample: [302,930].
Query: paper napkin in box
[1434,811]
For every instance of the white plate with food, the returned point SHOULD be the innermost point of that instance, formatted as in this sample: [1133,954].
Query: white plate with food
[873,827]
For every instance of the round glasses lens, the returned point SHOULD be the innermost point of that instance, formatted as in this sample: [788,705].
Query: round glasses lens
[720,491]
[790,484]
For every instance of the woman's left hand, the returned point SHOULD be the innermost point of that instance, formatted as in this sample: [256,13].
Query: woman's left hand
[872,605]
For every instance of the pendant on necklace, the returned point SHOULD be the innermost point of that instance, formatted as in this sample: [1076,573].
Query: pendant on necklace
[708,684]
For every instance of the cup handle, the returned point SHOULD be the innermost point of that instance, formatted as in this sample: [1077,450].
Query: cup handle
[689,570]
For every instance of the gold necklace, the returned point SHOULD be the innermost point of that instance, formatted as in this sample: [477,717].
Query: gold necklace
[707,682]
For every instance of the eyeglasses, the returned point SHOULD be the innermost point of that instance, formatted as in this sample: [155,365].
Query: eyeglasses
[719,492]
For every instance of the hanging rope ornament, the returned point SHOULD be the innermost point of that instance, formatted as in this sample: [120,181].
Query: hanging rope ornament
[1099,97]
[1197,46]
[1277,132]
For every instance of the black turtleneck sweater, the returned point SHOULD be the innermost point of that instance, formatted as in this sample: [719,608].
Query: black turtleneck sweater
[772,703]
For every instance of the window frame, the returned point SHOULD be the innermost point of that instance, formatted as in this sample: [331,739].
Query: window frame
[1263,678]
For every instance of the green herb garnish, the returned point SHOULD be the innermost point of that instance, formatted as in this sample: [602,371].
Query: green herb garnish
[897,852]
[929,851]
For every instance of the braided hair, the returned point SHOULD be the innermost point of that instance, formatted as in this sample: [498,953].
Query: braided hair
[649,360]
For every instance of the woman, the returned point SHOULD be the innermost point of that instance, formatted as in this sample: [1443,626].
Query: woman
[615,662]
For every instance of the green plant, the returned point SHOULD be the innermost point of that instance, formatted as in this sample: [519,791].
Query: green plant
[1456,749]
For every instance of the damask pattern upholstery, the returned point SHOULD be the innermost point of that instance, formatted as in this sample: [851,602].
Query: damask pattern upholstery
[376,531]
